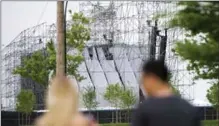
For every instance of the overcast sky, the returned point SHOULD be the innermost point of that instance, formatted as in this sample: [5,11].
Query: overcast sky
[17,16]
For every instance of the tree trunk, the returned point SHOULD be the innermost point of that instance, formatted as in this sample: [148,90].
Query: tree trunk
[119,116]
[29,116]
[128,112]
[98,117]
[112,116]
[60,62]
[217,115]
[26,119]
[116,116]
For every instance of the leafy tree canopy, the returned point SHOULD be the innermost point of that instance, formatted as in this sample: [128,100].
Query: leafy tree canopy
[89,98]
[213,94]
[201,45]
[128,98]
[37,65]
[119,96]
[113,91]
[25,101]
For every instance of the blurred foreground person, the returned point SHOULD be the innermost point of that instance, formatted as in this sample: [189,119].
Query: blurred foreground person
[162,107]
[62,103]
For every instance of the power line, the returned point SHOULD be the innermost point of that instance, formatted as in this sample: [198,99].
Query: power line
[42,13]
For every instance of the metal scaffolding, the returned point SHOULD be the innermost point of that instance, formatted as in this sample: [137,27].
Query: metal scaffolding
[27,42]
[133,23]
[122,33]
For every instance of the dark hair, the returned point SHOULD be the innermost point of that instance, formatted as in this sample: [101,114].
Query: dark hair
[158,68]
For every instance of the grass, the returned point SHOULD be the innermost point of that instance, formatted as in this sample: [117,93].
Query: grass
[204,123]
[210,123]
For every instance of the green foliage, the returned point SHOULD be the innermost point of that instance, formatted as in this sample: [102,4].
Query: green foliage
[213,95]
[112,94]
[25,101]
[175,90]
[201,45]
[203,58]
[128,98]
[119,96]
[37,65]
[89,98]
[40,63]
[210,123]
[195,14]
[79,33]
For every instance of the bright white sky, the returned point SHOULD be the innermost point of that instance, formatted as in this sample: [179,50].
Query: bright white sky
[17,16]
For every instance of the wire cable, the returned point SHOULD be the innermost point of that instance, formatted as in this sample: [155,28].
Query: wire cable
[42,13]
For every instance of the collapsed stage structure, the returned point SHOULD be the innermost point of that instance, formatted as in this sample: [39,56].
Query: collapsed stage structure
[123,36]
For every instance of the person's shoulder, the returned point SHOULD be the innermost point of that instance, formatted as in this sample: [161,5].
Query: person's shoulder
[187,105]
[141,108]
[184,102]
[146,103]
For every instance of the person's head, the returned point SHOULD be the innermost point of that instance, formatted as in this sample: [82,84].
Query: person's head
[155,76]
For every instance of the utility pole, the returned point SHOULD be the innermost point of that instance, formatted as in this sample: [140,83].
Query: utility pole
[60,56]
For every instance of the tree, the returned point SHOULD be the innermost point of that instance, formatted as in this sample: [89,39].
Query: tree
[212,96]
[201,45]
[25,101]
[38,65]
[89,98]
[112,95]
[128,100]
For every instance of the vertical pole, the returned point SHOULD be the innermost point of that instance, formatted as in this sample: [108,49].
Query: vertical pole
[1,80]
[152,52]
[60,56]
[153,42]
[163,45]
[1,72]
[65,48]
[217,107]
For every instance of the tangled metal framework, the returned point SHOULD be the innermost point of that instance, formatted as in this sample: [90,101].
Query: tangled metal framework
[121,33]
[132,23]
[28,41]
